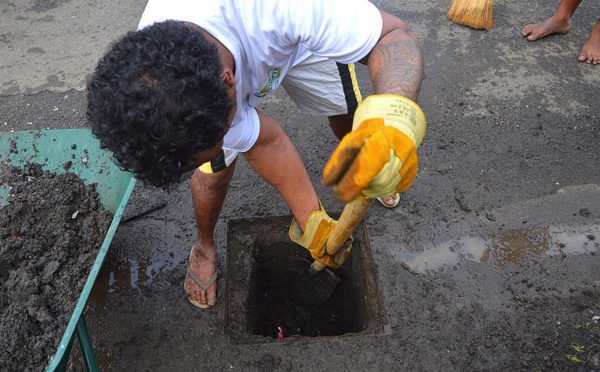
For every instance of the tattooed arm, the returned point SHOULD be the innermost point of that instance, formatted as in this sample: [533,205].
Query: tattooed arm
[379,158]
[395,63]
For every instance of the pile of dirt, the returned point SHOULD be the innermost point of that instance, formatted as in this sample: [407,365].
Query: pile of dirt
[50,233]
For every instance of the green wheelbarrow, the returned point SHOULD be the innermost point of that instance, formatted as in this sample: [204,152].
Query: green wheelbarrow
[52,149]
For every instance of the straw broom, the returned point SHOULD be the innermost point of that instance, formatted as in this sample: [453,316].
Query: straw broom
[476,14]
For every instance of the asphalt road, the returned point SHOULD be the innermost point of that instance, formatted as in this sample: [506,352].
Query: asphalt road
[487,263]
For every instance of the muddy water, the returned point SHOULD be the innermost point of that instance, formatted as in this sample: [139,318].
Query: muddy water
[117,275]
[505,247]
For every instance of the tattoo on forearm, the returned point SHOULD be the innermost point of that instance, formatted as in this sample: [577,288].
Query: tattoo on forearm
[396,67]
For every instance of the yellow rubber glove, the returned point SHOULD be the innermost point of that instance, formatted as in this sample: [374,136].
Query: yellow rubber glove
[379,157]
[314,238]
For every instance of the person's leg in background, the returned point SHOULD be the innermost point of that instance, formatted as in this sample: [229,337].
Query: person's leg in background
[560,23]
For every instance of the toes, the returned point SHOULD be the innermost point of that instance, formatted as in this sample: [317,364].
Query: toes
[193,292]
[211,295]
[202,299]
[588,59]
[528,32]
[199,295]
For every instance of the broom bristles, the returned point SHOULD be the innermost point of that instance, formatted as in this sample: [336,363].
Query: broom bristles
[476,14]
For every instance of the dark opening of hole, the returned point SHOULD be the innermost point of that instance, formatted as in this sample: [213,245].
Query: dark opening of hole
[287,299]
[270,288]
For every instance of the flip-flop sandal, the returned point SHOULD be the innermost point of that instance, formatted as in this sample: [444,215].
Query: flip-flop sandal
[396,201]
[201,284]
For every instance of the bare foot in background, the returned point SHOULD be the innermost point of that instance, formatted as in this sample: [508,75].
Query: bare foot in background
[590,52]
[553,25]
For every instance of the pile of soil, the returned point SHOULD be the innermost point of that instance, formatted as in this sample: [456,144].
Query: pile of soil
[50,233]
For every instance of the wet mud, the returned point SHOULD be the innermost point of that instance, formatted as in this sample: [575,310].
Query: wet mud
[50,231]
[489,263]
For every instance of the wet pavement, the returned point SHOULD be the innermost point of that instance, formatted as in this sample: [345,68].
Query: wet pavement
[489,263]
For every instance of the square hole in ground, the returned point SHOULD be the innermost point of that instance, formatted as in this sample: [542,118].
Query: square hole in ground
[269,288]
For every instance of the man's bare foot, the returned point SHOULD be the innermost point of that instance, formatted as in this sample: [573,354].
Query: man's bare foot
[552,25]
[590,52]
[203,264]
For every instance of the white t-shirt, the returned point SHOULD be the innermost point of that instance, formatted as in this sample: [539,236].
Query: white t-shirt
[267,37]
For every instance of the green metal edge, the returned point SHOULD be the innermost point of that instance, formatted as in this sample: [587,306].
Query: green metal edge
[52,148]
[81,303]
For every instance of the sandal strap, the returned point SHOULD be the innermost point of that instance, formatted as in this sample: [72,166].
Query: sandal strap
[200,283]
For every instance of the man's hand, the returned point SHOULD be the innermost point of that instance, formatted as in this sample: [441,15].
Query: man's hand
[314,238]
[379,157]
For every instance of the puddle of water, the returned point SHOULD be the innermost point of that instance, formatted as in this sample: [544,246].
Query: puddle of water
[116,276]
[506,247]
[131,274]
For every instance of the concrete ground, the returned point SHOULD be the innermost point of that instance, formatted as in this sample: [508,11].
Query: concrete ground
[490,262]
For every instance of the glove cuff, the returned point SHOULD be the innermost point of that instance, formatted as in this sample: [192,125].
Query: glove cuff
[318,227]
[397,111]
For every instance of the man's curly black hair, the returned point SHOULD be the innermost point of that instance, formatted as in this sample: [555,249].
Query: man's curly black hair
[157,98]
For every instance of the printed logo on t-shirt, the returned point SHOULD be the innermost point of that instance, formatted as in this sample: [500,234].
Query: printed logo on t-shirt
[271,84]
